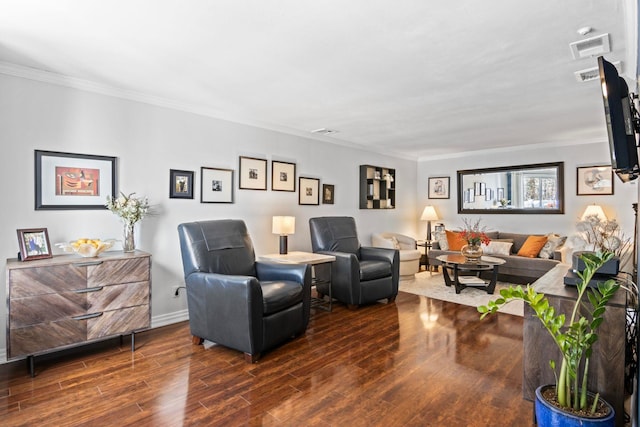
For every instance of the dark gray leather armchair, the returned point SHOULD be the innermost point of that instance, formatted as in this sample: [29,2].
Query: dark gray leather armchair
[235,301]
[360,275]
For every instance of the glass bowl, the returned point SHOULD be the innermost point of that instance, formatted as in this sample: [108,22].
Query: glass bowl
[87,248]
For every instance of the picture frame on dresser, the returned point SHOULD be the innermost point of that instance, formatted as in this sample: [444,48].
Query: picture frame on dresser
[34,244]
[73,181]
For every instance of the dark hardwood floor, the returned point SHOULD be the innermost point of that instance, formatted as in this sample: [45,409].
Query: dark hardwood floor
[417,362]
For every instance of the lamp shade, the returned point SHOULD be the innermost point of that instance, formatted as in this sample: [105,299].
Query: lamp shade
[429,214]
[594,210]
[284,225]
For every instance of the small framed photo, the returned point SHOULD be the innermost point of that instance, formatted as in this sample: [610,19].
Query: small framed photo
[283,176]
[73,181]
[499,193]
[34,244]
[469,195]
[488,195]
[594,181]
[253,173]
[479,188]
[327,193]
[439,187]
[180,184]
[309,191]
[216,185]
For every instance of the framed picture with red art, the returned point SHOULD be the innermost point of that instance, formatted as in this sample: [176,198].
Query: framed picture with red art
[73,181]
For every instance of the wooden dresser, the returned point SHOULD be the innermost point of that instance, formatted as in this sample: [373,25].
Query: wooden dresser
[68,300]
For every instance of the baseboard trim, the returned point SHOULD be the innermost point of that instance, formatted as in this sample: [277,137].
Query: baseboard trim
[156,322]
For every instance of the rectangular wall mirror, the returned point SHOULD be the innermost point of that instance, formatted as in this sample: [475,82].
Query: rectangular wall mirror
[523,189]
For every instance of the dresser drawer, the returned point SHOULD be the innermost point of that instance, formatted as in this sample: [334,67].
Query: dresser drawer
[119,322]
[118,271]
[46,280]
[53,307]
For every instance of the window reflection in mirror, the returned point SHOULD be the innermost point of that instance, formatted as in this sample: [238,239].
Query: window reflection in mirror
[529,189]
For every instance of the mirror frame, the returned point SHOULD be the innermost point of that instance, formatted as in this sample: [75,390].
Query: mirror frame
[560,172]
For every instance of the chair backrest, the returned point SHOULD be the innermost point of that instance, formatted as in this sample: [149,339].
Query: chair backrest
[335,234]
[218,246]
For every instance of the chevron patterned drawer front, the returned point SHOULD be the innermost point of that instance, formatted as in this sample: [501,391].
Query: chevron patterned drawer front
[66,300]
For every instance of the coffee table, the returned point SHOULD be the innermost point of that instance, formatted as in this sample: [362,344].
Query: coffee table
[467,274]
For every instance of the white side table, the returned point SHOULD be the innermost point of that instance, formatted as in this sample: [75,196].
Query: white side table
[311,259]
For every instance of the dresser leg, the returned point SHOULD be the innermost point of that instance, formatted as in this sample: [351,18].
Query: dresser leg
[31,366]
[133,342]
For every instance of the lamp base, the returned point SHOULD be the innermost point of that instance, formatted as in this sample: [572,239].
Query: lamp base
[283,245]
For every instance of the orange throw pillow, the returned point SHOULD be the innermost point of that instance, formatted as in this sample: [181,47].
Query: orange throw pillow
[455,241]
[532,246]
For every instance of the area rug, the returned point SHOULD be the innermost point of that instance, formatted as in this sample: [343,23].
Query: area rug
[432,285]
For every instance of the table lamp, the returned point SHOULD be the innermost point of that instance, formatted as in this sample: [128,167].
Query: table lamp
[594,210]
[429,214]
[283,225]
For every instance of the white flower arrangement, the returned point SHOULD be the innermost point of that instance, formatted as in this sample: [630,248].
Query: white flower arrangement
[603,235]
[131,209]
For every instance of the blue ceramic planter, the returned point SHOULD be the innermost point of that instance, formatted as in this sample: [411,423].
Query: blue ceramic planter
[548,415]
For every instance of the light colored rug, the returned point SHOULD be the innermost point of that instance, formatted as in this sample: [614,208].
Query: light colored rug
[432,285]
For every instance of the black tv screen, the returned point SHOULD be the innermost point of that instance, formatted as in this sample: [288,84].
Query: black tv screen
[619,116]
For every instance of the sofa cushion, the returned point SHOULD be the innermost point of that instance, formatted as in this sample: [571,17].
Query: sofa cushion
[554,241]
[440,237]
[532,246]
[454,240]
[496,247]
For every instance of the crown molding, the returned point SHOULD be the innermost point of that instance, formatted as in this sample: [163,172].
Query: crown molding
[107,90]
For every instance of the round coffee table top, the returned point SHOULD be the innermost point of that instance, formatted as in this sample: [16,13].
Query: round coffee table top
[460,259]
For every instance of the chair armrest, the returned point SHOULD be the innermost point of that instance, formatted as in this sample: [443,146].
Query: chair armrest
[300,273]
[234,301]
[380,254]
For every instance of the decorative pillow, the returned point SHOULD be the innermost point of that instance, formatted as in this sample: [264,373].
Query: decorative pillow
[496,247]
[532,246]
[554,241]
[455,241]
[441,238]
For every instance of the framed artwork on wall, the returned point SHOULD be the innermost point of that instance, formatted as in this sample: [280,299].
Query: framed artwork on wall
[308,191]
[327,193]
[253,173]
[34,244]
[180,184]
[73,181]
[216,185]
[439,187]
[283,176]
[594,181]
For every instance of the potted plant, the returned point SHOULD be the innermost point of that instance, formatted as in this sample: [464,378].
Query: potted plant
[574,335]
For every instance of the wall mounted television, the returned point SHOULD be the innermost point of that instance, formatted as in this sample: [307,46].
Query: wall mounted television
[622,121]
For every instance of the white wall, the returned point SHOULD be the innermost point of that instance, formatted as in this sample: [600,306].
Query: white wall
[616,206]
[150,140]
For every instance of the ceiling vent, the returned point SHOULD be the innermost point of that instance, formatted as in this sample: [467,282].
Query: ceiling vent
[593,73]
[590,47]
[324,131]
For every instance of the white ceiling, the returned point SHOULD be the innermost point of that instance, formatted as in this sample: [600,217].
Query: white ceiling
[414,78]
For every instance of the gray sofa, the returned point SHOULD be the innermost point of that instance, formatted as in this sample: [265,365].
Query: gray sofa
[517,269]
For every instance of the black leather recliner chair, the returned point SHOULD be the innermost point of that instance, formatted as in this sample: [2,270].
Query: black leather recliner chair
[235,301]
[360,275]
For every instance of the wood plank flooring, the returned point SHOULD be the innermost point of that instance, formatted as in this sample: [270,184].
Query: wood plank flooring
[417,362]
